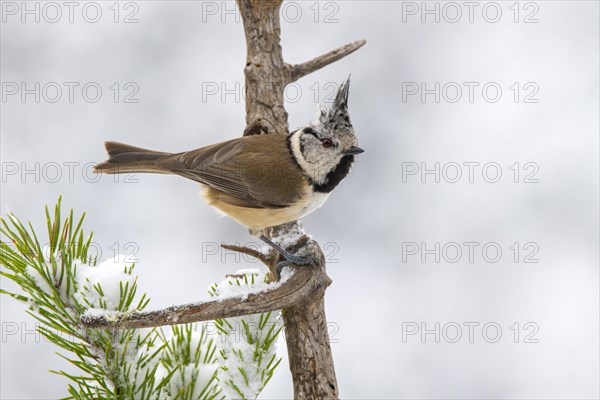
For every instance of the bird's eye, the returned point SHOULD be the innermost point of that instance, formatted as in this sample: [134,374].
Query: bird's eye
[326,142]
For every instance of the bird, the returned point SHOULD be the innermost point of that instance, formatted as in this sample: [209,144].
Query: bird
[261,180]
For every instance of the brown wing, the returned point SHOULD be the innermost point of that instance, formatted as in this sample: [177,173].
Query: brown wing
[251,171]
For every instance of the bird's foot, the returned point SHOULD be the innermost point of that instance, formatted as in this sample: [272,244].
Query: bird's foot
[290,259]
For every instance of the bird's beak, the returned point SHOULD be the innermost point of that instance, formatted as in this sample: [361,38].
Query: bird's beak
[353,151]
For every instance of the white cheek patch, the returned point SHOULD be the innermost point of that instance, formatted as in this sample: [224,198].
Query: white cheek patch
[311,170]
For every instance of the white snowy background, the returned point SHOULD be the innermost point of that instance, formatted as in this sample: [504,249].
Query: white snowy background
[179,53]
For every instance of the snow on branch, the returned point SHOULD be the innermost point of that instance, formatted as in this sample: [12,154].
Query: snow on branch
[293,286]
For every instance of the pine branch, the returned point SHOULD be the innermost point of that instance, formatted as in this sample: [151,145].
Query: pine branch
[247,346]
[60,282]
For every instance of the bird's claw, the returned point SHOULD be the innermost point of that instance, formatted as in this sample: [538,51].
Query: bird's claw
[290,259]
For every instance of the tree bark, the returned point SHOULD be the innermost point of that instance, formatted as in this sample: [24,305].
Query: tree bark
[311,361]
[267,75]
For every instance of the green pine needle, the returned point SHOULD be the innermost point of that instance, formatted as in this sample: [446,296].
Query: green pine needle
[120,364]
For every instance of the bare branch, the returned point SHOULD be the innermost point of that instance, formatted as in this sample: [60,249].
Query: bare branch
[270,260]
[304,282]
[266,259]
[300,70]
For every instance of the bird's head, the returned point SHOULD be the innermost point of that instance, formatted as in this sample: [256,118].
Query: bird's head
[326,147]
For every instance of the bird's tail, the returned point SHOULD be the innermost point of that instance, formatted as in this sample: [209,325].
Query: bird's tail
[123,158]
